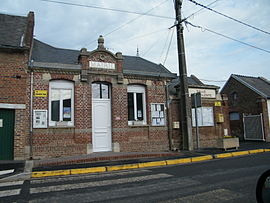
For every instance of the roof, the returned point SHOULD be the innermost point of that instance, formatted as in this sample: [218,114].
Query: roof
[140,66]
[47,56]
[12,31]
[192,81]
[45,53]
[259,85]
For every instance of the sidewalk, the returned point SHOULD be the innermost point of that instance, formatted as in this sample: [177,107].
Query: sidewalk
[120,160]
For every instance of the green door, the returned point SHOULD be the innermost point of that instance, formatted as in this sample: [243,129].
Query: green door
[7,118]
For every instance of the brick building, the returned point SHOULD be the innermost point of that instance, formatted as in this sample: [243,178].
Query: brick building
[63,102]
[92,101]
[16,34]
[249,104]
[213,118]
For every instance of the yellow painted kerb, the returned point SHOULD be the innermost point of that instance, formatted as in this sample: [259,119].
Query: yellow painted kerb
[240,153]
[150,164]
[223,155]
[267,150]
[39,174]
[122,167]
[178,161]
[201,158]
[87,170]
[256,151]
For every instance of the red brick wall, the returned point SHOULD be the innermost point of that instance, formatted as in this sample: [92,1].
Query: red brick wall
[247,102]
[13,90]
[209,136]
[53,141]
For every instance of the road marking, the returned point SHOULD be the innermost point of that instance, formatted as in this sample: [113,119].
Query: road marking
[215,196]
[6,171]
[97,183]
[12,183]
[123,192]
[88,176]
[6,193]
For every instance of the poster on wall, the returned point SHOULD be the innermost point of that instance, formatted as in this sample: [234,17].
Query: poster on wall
[158,114]
[40,119]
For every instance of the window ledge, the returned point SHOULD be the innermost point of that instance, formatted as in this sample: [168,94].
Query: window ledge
[63,126]
[139,126]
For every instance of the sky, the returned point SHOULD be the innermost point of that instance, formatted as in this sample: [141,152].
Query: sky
[210,57]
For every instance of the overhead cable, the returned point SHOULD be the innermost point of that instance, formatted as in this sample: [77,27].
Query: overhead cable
[168,48]
[224,15]
[106,8]
[236,40]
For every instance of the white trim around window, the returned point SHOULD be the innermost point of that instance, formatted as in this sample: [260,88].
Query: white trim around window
[61,103]
[136,105]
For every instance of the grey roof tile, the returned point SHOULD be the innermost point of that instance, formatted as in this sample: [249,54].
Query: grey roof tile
[258,84]
[43,52]
[192,81]
[12,28]
[132,65]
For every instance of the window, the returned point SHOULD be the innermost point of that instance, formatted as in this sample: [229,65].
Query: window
[234,98]
[136,105]
[100,91]
[61,103]
[204,115]
[234,116]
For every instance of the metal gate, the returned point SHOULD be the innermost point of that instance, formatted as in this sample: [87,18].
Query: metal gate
[253,127]
[7,119]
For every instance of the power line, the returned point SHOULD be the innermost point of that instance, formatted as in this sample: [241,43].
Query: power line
[212,80]
[201,9]
[168,48]
[106,8]
[224,15]
[167,37]
[130,21]
[236,40]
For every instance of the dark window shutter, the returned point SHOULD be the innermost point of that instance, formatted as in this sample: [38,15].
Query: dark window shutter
[55,110]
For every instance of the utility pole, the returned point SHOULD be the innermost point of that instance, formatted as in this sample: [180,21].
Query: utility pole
[185,111]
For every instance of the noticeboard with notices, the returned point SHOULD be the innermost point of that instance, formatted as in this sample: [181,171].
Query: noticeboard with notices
[158,114]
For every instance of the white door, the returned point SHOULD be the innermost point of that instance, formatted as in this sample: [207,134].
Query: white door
[101,124]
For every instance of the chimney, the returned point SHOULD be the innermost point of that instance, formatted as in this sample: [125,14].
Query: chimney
[29,29]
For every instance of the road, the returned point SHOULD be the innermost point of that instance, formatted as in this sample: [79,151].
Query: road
[224,180]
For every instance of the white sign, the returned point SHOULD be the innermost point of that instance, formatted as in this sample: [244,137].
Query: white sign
[1,123]
[205,93]
[102,65]
[40,119]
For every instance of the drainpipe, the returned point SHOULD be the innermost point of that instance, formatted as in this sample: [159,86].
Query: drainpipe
[31,108]
[168,116]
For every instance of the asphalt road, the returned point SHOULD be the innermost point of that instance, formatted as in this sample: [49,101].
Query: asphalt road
[225,180]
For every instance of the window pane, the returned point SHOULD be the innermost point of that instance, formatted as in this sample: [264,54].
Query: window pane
[55,110]
[96,91]
[234,116]
[130,107]
[65,94]
[67,110]
[139,97]
[105,91]
[55,95]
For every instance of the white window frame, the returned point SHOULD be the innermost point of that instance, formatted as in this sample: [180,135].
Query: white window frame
[58,85]
[137,89]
